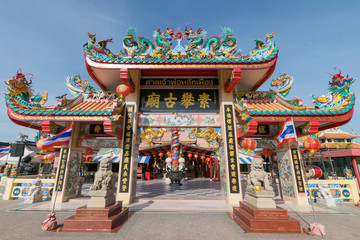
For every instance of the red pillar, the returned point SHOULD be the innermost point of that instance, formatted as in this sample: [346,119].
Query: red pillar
[356,169]
[210,169]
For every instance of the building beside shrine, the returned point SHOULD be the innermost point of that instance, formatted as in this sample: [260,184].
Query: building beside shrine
[186,87]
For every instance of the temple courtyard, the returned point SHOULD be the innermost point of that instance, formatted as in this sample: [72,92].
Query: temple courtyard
[195,210]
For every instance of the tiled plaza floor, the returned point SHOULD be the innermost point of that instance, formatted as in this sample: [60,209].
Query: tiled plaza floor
[195,210]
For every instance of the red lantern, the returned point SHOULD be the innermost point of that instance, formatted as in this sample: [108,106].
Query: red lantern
[87,151]
[267,152]
[168,153]
[196,156]
[189,155]
[249,144]
[208,159]
[122,90]
[312,144]
[202,157]
[161,154]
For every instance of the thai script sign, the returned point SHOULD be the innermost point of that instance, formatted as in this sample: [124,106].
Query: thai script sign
[297,169]
[231,149]
[127,148]
[179,100]
[179,82]
[62,169]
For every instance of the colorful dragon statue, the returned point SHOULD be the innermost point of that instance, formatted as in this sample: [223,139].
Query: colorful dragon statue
[284,83]
[101,47]
[263,49]
[216,46]
[196,39]
[76,86]
[339,87]
[138,47]
[20,89]
[162,40]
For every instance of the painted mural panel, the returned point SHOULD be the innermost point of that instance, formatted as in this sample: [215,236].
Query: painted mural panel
[186,120]
[285,174]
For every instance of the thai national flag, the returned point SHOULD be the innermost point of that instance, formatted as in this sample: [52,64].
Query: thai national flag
[287,133]
[5,150]
[62,138]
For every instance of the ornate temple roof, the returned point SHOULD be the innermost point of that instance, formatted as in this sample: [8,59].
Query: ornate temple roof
[336,133]
[330,110]
[28,110]
[219,52]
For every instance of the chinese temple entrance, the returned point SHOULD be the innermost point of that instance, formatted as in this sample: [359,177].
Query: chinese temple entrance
[199,162]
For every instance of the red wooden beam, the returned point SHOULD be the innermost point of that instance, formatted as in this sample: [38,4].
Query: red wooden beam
[124,77]
[233,80]
[110,129]
[250,128]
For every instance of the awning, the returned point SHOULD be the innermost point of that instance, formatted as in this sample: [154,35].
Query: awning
[113,153]
[144,159]
[113,159]
[246,157]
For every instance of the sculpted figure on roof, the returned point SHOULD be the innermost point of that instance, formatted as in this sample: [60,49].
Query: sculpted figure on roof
[339,87]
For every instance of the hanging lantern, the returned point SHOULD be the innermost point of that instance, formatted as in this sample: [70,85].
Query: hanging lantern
[249,144]
[208,159]
[267,152]
[312,144]
[202,157]
[87,151]
[161,154]
[189,155]
[122,90]
[168,153]
[196,156]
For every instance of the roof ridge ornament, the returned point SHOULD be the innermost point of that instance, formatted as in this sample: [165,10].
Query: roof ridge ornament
[339,87]
[20,90]
[215,49]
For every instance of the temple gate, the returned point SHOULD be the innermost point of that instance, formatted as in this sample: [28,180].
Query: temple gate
[208,79]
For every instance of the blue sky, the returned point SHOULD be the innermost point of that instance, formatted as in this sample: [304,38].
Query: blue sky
[45,38]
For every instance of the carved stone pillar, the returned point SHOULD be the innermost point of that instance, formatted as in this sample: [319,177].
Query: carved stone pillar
[291,176]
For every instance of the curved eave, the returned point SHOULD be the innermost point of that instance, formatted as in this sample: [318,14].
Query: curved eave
[34,121]
[107,75]
[326,121]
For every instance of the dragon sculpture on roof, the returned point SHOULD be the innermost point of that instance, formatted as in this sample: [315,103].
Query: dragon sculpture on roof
[77,85]
[221,48]
[20,89]
[339,87]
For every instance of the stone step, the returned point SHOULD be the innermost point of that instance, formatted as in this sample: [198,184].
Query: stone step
[264,213]
[89,224]
[99,212]
[262,225]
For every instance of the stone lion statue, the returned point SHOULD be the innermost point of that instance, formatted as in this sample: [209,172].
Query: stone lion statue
[35,193]
[257,176]
[104,176]
[324,191]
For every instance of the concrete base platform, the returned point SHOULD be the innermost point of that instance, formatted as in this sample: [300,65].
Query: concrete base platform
[96,220]
[265,220]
